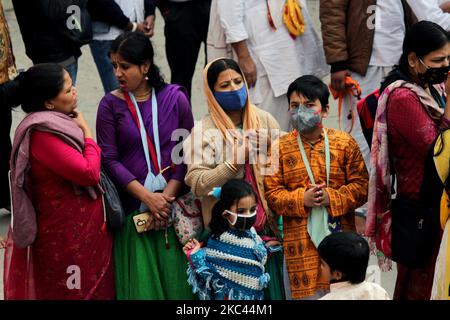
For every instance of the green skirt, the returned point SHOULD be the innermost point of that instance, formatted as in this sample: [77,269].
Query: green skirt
[274,267]
[145,269]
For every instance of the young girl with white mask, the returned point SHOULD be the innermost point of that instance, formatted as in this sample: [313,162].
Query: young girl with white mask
[231,266]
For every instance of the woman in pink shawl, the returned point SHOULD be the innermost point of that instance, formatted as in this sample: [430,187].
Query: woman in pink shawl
[412,109]
[58,247]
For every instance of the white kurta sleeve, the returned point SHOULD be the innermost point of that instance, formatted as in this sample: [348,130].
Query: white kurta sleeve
[430,10]
[231,13]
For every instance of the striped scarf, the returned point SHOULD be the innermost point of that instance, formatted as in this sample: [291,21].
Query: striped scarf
[234,267]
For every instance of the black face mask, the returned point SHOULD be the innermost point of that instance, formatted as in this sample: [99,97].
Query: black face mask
[434,75]
[245,223]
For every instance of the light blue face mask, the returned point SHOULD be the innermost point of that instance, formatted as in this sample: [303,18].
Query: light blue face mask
[232,100]
[305,120]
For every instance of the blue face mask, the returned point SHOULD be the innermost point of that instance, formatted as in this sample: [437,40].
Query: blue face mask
[232,100]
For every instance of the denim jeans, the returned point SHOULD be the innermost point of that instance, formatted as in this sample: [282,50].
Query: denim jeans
[72,69]
[100,50]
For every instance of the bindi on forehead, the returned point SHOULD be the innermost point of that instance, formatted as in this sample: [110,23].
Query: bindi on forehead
[229,75]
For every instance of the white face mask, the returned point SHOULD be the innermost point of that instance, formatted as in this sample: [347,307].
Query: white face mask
[243,221]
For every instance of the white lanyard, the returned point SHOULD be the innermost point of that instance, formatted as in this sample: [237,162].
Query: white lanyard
[144,133]
[306,162]
[318,220]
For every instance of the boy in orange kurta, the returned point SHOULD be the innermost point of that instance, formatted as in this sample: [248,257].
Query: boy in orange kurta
[291,193]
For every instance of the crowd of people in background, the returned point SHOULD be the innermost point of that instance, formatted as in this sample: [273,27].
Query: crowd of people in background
[288,208]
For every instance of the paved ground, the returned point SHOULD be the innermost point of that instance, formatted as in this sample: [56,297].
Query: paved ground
[90,92]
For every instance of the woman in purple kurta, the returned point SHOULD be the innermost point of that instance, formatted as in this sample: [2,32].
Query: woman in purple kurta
[150,265]
[119,137]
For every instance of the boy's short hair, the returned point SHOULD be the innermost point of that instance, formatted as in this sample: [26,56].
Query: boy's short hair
[312,88]
[348,253]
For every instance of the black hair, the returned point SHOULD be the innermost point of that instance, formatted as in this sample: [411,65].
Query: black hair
[422,38]
[232,191]
[137,49]
[32,88]
[217,67]
[348,253]
[312,88]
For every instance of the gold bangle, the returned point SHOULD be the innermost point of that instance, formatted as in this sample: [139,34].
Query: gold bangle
[231,166]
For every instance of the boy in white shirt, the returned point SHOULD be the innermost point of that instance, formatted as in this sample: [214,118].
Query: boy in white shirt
[344,258]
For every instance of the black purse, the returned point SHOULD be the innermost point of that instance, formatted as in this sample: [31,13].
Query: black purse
[415,223]
[415,229]
[115,215]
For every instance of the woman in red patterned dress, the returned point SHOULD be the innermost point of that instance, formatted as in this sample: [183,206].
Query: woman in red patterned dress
[57,246]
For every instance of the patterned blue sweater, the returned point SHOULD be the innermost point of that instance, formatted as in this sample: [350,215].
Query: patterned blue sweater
[230,267]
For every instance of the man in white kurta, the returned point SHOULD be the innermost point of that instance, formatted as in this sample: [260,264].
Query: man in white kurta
[436,11]
[271,59]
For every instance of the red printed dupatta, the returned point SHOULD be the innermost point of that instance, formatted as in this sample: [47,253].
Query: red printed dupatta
[260,214]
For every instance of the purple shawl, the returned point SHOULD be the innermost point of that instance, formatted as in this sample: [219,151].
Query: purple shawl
[24,226]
